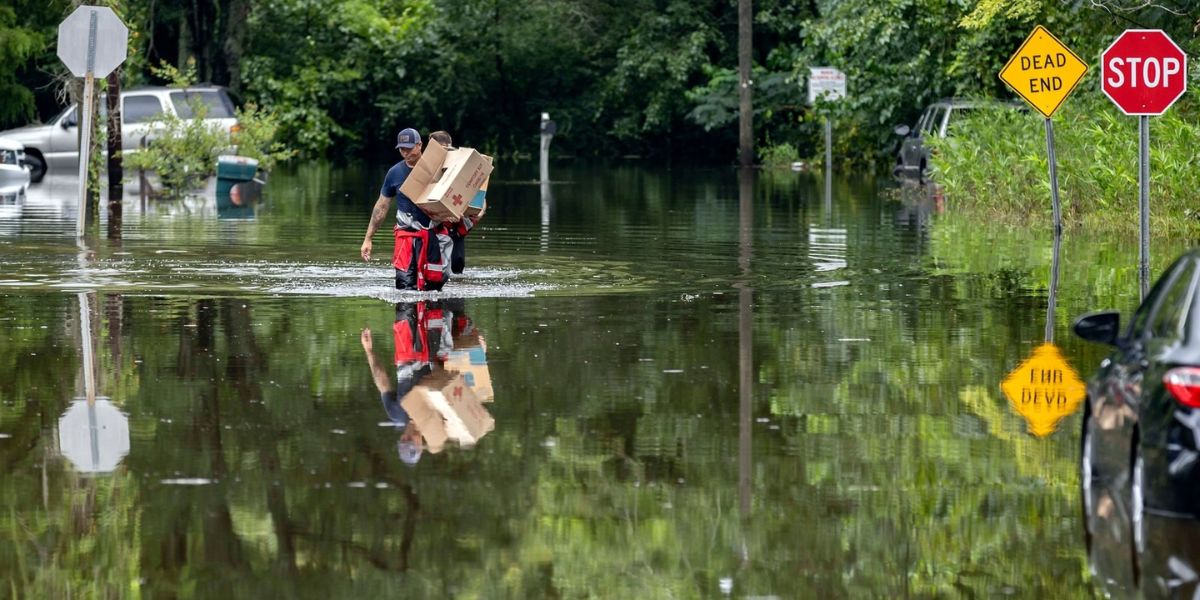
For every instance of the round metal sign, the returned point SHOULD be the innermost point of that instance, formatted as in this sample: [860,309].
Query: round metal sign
[94,39]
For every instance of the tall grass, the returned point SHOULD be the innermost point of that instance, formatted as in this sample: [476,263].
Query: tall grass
[994,165]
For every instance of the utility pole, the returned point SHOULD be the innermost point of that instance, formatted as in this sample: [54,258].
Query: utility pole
[745,83]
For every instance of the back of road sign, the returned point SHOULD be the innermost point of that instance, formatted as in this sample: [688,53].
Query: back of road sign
[101,29]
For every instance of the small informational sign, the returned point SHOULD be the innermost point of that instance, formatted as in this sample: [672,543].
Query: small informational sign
[826,83]
[96,31]
[1043,71]
[1044,389]
[1143,72]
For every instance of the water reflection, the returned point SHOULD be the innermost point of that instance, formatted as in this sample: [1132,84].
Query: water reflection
[93,434]
[240,202]
[441,381]
[1163,563]
[1044,388]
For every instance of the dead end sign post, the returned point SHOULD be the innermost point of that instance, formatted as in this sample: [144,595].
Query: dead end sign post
[1044,71]
[92,41]
[1143,72]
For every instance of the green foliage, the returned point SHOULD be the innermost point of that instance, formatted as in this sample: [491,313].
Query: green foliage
[176,77]
[778,155]
[183,151]
[620,77]
[257,137]
[23,36]
[999,169]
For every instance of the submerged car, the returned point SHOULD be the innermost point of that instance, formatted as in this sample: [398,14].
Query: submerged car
[937,121]
[55,144]
[13,171]
[1142,416]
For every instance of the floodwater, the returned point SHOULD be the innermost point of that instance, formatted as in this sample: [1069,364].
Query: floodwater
[647,384]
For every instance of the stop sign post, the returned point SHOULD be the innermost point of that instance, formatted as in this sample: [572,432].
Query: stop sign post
[1143,72]
[92,41]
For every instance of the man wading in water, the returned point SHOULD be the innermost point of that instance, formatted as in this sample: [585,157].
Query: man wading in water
[420,256]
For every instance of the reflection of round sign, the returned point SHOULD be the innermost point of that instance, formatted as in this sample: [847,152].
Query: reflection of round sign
[93,437]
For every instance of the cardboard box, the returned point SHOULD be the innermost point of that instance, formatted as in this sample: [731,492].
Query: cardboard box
[479,203]
[444,182]
[472,364]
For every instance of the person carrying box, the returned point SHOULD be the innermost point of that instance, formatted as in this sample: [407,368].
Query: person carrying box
[421,253]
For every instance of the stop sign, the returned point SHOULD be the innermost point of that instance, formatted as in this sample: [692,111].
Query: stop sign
[1143,72]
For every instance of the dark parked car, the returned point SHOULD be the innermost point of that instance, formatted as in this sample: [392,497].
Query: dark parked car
[937,121]
[1163,563]
[1142,416]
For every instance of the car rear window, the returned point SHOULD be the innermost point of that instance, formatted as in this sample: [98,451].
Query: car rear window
[219,106]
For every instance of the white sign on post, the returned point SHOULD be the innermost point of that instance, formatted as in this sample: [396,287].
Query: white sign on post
[92,41]
[826,83]
[98,28]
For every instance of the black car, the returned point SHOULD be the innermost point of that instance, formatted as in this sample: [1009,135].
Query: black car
[1164,562]
[938,120]
[1142,416]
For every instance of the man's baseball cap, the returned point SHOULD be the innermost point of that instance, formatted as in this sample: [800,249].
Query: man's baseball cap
[410,452]
[407,138]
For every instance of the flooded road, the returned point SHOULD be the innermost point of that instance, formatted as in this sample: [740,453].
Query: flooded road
[648,383]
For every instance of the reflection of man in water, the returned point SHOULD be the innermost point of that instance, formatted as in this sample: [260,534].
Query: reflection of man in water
[415,360]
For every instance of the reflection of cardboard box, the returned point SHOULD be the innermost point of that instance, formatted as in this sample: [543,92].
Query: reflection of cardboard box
[474,368]
[475,418]
[444,182]
[444,407]
[428,419]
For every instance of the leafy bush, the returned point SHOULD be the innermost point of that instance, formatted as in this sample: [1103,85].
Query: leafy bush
[778,155]
[1000,170]
[256,137]
[183,153]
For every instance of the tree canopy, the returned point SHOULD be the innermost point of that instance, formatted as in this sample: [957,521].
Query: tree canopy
[643,77]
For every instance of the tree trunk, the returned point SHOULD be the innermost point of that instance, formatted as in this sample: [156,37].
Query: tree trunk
[116,172]
[236,15]
[745,106]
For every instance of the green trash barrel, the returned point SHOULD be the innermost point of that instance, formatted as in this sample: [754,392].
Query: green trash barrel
[232,170]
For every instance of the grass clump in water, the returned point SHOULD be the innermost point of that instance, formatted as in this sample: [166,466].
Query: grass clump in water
[994,166]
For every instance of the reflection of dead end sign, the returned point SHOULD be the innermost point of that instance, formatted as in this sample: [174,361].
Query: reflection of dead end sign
[1044,389]
[826,83]
[1043,71]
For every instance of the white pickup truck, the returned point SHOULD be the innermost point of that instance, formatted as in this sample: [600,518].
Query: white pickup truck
[55,144]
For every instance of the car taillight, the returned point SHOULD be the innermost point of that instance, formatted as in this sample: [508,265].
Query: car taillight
[1184,384]
[236,127]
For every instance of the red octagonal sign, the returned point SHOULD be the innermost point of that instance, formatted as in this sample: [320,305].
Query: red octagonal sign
[1143,72]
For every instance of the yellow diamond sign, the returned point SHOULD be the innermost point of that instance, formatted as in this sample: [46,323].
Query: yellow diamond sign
[1043,71]
[1044,389]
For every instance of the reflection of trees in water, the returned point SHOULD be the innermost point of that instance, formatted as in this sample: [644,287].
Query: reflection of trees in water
[895,466]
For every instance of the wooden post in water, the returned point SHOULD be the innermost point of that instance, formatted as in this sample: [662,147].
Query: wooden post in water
[116,171]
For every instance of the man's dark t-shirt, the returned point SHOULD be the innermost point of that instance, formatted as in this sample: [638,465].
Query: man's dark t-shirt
[407,213]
